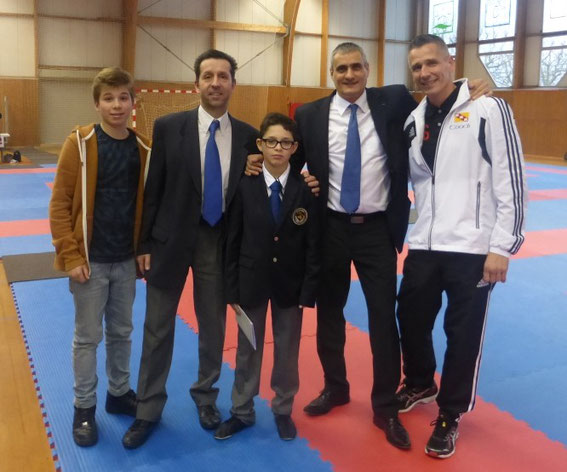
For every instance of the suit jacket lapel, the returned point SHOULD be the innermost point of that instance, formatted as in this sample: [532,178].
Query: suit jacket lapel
[322,136]
[260,195]
[190,148]
[237,160]
[292,187]
[379,112]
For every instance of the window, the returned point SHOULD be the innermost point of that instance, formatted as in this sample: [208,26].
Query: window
[443,18]
[496,39]
[553,62]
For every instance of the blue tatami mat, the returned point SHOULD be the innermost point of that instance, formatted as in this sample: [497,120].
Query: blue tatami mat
[13,245]
[524,363]
[179,443]
[25,196]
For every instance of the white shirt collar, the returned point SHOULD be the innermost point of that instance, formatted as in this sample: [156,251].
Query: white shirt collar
[342,104]
[205,120]
[269,178]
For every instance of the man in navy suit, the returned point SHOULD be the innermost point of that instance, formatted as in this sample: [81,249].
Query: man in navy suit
[197,160]
[353,143]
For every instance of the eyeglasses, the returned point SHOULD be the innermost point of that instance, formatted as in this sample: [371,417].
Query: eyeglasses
[272,143]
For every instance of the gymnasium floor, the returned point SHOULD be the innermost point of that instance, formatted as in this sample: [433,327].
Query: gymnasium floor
[520,419]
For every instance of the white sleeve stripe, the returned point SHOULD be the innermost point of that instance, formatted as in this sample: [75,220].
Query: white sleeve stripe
[515,169]
[514,164]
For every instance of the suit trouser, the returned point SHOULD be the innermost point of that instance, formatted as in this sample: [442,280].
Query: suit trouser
[286,327]
[159,328]
[370,248]
[426,275]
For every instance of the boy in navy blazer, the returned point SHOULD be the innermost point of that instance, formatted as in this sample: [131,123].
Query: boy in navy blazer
[272,255]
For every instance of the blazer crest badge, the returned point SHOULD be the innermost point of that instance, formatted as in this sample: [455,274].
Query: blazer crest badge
[300,216]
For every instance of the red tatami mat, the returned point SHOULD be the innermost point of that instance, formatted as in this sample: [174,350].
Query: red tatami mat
[23,228]
[490,439]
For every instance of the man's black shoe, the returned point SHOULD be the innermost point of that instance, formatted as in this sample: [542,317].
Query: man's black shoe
[230,427]
[209,416]
[325,402]
[138,433]
[85,432]
[396,434]
[408,397]
[441,444]
[286,427]
[124,404]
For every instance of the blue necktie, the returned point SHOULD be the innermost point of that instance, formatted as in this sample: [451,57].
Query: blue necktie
[350,184]
[212,194]
[275,201]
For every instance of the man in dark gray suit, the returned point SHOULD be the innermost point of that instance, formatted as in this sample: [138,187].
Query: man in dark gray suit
[197,160]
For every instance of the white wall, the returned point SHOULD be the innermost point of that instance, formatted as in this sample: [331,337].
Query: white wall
[16,6]
[62,106]
[259,55]
[17,57]
[348,18]
[306,58]
[153,62]
[81,8]
[66,42]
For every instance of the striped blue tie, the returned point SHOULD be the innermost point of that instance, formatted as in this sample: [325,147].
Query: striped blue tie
[212,194]
[350,184]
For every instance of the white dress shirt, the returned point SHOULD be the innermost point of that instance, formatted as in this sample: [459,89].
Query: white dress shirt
[271,179]
[223,138]
[374,176]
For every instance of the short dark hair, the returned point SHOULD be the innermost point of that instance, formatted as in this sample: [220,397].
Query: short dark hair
[273,119]
[347,47]
[423,39]
[215,54]
[112,77]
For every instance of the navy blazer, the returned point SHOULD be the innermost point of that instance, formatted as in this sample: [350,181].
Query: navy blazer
[173,193]
[269,260]
[390,106]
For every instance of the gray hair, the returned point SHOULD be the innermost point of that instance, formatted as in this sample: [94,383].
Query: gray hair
[345,48]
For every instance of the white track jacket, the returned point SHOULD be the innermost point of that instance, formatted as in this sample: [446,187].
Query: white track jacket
[475,198]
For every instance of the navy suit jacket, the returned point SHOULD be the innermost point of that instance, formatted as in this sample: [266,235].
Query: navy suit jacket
[173,193]
[390,106]
[265,259]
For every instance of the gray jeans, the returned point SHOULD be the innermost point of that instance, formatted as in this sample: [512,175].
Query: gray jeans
[110,291]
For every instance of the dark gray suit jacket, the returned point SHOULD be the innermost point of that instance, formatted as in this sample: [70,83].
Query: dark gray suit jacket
[173,195]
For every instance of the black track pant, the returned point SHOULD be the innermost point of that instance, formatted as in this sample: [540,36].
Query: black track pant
[426,275]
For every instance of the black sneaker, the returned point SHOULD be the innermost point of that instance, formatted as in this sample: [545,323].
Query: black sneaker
[84,427]
[408,397]
[124,404]
[441,444]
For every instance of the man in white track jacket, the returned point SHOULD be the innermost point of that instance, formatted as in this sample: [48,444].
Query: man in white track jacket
[467,172]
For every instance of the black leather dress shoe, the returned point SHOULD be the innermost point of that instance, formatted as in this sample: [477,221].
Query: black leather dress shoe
[209,416]
[230,427]
[124,405]
[85,432]
[286,427]
[325,402]
[396,434]
[138,433]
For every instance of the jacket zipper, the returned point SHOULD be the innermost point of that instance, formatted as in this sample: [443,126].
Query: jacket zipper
[433,180]
[478,188]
